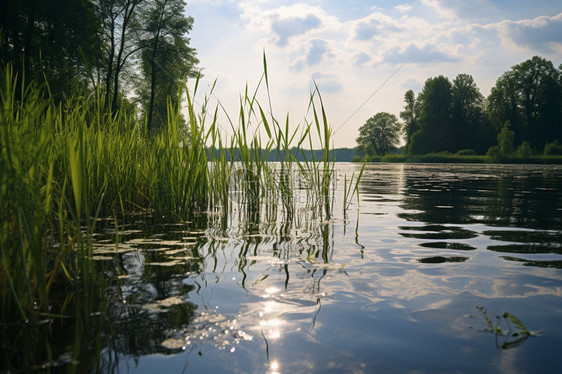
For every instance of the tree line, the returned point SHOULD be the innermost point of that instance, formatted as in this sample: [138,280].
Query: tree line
[132,54]
[522,114]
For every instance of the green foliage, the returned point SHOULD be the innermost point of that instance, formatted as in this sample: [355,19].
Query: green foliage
[167,60]
[524,150]
[505,139]
[451,117]
[410,116]
[42,40]
[471,126]
[120,36]
[379,134]
[64,165]
[435,133]
[529,97]
[509,328]
[466,152]
[98,47]
[553,149]
[61,166]
[494,154]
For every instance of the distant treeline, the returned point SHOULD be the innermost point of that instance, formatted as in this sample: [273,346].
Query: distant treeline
[522,114]
[337,154]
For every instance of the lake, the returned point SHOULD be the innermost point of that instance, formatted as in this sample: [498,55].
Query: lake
[440,268]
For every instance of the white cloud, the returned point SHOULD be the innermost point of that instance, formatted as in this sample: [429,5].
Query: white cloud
[327,83]
[318,50]
[285,28]
[403,8]
[360,59]
[425,55]
[412,84]
[352,55]
[440,8]
[541,34]
[376,24]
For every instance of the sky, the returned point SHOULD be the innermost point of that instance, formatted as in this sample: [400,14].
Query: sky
[363,55]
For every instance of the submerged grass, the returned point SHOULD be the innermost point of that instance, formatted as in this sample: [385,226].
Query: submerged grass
[63,166]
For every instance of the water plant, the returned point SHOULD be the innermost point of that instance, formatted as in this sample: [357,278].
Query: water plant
[64,165]
[507,327]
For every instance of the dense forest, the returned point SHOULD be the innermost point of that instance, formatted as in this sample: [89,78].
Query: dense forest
[522,115]
[130,54]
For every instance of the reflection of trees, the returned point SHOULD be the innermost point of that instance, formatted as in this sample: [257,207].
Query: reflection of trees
[145,298]
[519,196]
[513,197]
[140,314]
[443,200]
[384,179]
[67,337]
[134,331]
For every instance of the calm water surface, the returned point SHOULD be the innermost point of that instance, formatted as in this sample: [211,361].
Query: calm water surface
[415,279]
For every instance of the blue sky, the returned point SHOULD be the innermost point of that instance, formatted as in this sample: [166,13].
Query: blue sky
[364,55]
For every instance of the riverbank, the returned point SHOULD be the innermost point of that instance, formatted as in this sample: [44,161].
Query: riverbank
[463,159]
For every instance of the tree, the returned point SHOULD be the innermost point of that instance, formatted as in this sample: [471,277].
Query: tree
[435,132]
[505,139]
[120,20]
[529,96]
[166,59]
[42,40]
[379,134]
[410,116]
[472,129]
[467,101]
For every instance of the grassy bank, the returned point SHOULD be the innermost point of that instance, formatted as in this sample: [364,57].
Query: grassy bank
[61,167]
[466,159]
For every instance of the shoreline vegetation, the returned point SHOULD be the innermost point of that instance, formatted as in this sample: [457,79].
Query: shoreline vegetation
[451,121]
[351,155]
[65,165]
[446,157]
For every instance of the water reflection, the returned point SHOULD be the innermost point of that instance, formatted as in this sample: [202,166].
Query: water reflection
[527,199]
[430,243]
[524,196]
[187,288]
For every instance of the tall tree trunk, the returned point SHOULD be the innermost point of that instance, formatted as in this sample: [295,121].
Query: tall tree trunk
[116,87]
[120,62]
[152,87]
[28,51]
[110,60]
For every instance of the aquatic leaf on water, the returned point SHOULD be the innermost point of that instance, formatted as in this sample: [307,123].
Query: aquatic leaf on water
[167,263]
[163,304]
[511,338]
[520,325]
[174,343]
[112,249]
[98,258]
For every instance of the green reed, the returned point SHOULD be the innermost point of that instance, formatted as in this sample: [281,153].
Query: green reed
[64,165]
